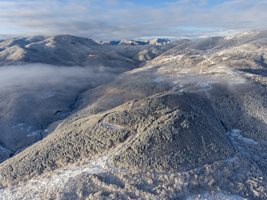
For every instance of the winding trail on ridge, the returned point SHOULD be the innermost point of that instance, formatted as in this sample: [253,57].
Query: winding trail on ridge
[120,147]
[34,188]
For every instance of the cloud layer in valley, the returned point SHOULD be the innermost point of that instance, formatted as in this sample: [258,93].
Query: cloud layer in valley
[113,19]
[36,76]
[33,96]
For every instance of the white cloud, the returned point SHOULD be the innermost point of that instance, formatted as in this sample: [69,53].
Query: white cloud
[114,19]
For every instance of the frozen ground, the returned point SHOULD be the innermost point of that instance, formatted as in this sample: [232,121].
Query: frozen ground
[35,188]
[215,196]
[236,134]
[230,76]
[60,179]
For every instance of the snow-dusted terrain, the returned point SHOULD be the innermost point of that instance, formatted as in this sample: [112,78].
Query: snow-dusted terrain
[157,119]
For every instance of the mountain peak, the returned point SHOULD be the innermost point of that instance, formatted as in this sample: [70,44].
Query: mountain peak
[73,39]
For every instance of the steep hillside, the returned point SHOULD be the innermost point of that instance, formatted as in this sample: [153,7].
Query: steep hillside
[193,120]
[48,93]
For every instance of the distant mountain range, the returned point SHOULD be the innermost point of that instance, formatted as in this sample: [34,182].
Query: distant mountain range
[156,41]
[70,50]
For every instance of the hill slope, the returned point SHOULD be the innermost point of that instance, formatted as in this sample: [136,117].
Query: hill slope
[190,121]
[48,93]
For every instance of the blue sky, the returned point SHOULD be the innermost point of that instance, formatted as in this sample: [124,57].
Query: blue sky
[122,19]
[157,3]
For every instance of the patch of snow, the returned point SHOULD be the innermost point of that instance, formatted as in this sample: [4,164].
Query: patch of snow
[236,133]
[231,75]
[211,62]
[206,85]
[171,58]
[34,188]
[34,133]
[4,150]
[215,196]
[28,130]
[140,69]
[239,35]
[158,79]
[231,159]
[22,127]
[202,81]
[111,126]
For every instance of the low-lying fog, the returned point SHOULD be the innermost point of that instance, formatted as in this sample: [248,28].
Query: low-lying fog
[33,96]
